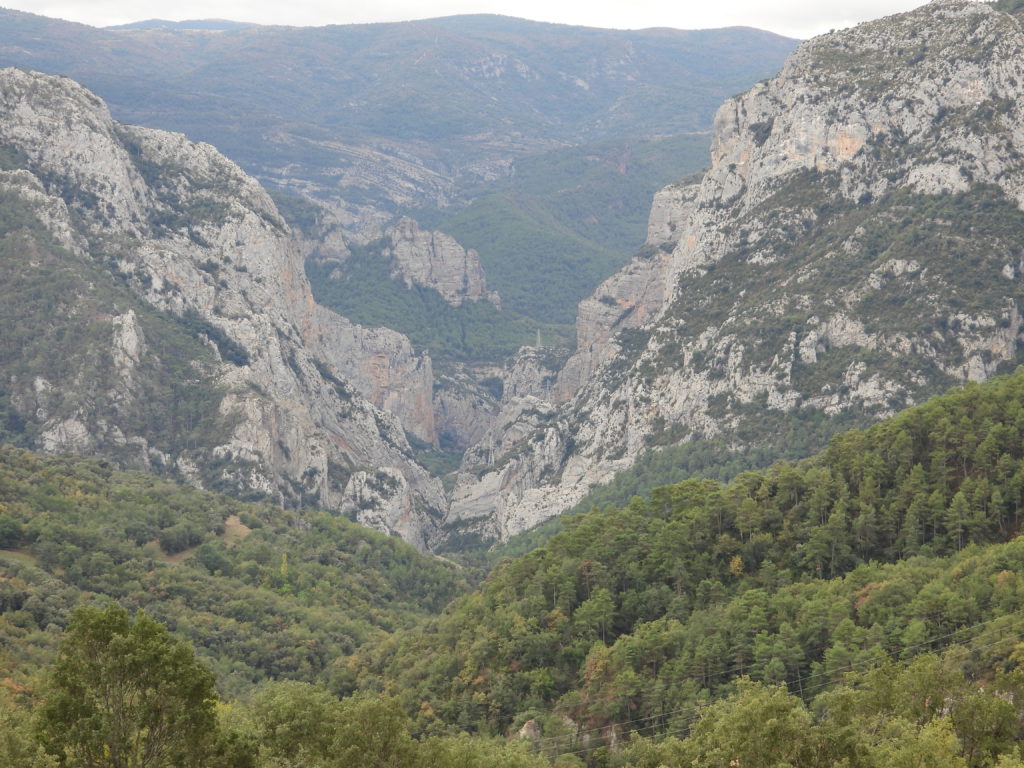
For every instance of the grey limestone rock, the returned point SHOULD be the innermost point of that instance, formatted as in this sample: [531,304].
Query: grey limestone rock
[792,279]
[435,260]
[310,402]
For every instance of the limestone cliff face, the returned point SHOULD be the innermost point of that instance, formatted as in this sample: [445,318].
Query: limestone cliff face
[472,402]
[305,403]
[633,296]
[854,248]
[382,366]
[435,260]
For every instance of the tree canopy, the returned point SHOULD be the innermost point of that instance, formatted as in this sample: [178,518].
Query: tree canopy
[123,693]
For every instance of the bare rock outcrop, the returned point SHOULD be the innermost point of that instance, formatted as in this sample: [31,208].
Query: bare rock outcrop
[853,249]
[307,401]
[633,296]
[435,260]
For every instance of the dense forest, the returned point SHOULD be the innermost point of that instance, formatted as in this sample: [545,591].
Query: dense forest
[860,608]
[262,593]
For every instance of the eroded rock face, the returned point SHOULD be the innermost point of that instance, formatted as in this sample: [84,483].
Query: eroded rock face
[435,260]
[382,367]
[632,297]
[308,402]
[854,247]
[464,410]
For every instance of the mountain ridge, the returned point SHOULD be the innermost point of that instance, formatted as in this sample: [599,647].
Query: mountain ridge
[321,113]
[830,204]
[296,402]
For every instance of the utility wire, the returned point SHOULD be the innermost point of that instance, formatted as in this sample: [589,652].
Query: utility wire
[549,742]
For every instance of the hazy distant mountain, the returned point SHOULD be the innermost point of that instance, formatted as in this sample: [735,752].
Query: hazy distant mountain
[560,134]
[391,114]
[207,25]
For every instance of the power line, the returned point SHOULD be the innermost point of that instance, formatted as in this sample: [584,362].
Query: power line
[550,742]
[697,714]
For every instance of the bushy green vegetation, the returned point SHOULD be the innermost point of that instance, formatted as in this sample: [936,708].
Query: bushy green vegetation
[886,545]
[797,434]
[860,608]
[260,592]
[123,693]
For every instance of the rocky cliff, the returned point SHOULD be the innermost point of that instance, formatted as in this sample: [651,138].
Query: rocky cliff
[165,319]
[435,260]
[854,248]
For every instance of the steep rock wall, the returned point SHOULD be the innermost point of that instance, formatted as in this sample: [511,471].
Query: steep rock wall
[202,245]
[854,248]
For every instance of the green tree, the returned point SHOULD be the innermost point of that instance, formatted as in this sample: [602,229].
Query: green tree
[374,734]
[125,694]
[18,748]
[594,616]
[463,751]
[758,727]
[294,723]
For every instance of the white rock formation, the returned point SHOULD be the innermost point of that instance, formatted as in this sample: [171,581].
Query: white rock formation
[310,402]
[435,260]
[790,278]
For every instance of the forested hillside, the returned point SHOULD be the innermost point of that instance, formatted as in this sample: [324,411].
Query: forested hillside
[861,606]
[853,250]
[262,593]
[885,546]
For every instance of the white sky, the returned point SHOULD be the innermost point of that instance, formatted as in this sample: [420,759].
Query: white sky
[796,18]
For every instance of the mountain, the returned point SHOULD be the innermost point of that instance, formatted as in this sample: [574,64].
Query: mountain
[868,596]
[402,111]
[854,248]
[206,25]
[157,313]
[554,136]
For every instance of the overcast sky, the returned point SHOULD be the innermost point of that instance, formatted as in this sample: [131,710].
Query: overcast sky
[796,18]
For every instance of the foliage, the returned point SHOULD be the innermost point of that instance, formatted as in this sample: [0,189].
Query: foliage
[19,747]
[124,694]
[795,435]
[74,528]
[301,214]
[794,616]
[230,350]
[633,612]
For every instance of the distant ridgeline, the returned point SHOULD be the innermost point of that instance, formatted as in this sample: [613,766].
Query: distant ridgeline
[554,136]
